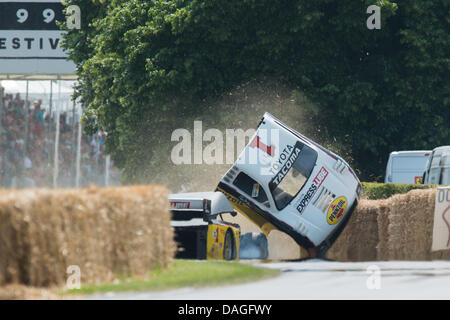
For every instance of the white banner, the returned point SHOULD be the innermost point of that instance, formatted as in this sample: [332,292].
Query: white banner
[31,44]
[30,40]
[441,227]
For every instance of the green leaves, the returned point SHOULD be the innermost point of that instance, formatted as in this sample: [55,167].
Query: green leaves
[145,67]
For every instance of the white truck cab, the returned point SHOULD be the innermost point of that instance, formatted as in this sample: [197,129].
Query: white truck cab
[437,170]
[406,166]
[283,180]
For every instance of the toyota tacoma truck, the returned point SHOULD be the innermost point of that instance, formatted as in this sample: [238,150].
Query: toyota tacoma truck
[283,180]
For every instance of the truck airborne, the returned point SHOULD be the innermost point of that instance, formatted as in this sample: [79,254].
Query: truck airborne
[284,181]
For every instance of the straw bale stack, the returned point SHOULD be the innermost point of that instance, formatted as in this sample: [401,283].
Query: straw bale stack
[359,239]
[383,229]
[397,228]
[106,232]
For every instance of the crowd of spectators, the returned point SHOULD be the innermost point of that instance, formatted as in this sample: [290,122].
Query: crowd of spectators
[27,148]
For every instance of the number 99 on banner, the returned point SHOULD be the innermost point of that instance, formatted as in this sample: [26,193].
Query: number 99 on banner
[73,16]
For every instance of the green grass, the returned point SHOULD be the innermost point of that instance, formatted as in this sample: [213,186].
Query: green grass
[184,273]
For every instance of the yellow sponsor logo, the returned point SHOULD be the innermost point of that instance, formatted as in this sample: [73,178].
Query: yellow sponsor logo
[336,210]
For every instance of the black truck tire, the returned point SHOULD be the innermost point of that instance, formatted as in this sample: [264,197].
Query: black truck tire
[229,246]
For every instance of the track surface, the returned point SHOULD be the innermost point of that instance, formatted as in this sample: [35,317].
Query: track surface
[319,279]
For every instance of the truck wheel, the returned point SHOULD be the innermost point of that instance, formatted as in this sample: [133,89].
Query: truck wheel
[229,246]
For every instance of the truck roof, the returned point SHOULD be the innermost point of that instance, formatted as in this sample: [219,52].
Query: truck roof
[211,203]
[411,152]
[446,149]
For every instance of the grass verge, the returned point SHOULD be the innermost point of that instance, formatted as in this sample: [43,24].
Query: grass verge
[184,273]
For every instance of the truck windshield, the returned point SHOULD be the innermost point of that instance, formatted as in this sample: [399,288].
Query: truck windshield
[293,175]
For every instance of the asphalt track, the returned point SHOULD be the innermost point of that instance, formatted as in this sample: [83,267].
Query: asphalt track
[319,279]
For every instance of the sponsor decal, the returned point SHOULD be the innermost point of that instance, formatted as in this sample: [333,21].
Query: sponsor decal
[317,181]
[255,191]
[179,205]
[286,160]
[270,150]
[336,210]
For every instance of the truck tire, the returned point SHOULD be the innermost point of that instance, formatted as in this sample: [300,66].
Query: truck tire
[229,246]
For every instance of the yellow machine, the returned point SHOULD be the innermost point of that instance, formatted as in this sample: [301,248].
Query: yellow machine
[222,241]
[200,231]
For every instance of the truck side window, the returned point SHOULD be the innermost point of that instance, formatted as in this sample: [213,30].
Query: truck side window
[252,188]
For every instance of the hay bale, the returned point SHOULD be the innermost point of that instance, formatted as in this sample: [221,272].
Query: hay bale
[383,233]
[418,220]
[418,208]
[405,226]
[106,232]
[398,228]
[359,239]
[22,292]
[396,237]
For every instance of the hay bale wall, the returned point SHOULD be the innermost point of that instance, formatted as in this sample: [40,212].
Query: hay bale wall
[106,232]
[397,228]
[359,239]
[383,229]
[410,228]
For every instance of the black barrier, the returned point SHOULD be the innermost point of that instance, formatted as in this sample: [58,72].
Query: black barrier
[278,309]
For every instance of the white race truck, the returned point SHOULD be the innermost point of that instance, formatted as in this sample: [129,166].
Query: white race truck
[284,181]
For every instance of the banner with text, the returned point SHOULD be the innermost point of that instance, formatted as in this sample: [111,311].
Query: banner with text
[30,40]
[441,228]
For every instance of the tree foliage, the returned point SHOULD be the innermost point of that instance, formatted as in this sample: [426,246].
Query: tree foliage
[146,66]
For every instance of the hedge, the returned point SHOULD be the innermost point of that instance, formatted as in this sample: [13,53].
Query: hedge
[376,191]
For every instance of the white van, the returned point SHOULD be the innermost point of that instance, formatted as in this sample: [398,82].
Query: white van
[406,166]
[437,170]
